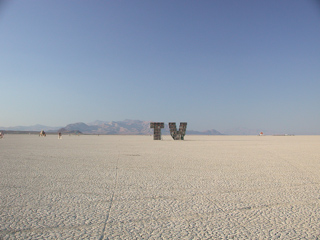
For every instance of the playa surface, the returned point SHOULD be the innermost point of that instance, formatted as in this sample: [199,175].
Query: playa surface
[132,187]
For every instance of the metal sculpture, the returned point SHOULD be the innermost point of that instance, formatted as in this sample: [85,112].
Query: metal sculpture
[178,135]
[157,129]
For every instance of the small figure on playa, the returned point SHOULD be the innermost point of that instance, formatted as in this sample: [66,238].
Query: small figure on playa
[42,133]
[1,135]
[59,135]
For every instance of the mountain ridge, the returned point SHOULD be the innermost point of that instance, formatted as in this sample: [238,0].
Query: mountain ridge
[36,127]
[126,127]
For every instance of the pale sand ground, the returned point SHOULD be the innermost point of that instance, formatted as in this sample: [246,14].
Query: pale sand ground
[131,187]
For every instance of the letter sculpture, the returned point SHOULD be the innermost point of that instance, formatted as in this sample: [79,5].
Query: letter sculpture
[157,129]
[178,135]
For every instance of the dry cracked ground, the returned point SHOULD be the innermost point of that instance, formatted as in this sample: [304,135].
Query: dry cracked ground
[132,187]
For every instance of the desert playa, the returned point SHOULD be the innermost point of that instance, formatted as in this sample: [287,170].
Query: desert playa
[132,187]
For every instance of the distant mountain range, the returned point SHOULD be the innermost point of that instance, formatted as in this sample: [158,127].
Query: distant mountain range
[130,127]
[37,127]
[126,127]
[245,131]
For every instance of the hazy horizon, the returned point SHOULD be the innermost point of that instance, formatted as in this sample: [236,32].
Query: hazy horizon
[230,131]
[214,64]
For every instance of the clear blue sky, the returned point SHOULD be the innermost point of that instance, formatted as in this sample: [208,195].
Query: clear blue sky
[215,64]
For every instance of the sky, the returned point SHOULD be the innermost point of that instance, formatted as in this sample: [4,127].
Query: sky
[219,64]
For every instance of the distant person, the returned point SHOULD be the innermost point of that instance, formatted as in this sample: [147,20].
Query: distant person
[42,133]
[1,135]
[59,135]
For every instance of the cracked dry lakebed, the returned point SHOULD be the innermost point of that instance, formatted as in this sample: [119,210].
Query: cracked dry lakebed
[132,187]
